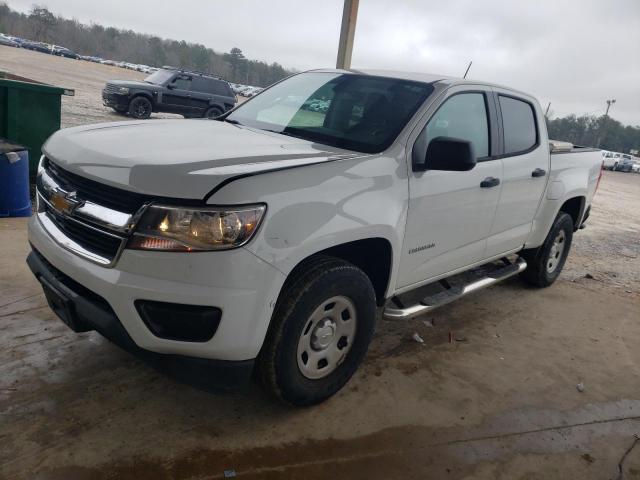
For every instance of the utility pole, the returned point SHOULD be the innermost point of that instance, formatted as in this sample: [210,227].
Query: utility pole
[546,112]
[609,103]
[347,32]
[604,121]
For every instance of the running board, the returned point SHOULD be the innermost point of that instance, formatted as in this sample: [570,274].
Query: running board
[454,293]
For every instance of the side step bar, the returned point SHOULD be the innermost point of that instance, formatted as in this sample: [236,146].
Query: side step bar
[454,293]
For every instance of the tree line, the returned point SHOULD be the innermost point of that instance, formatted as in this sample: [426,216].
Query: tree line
[591,131]
[117,44]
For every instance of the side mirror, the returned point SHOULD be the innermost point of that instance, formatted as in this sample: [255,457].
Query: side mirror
[171,86]
[449,154]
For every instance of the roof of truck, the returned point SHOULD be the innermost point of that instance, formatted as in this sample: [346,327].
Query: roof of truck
[415,76]
[418,77]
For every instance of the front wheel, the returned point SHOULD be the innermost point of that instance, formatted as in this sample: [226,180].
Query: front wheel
[320,331]
[140,107]
[545,263]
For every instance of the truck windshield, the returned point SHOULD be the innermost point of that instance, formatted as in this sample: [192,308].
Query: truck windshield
[159,77]
[352,111]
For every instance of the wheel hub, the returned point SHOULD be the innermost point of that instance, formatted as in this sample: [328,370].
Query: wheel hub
[323,334]
[555,252]
[327,337]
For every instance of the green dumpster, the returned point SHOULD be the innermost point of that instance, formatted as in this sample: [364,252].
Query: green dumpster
[29,113]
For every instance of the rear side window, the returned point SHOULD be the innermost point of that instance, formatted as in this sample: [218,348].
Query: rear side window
[221,88]
[200,84]
[211,85]
[520,133]
[462,116]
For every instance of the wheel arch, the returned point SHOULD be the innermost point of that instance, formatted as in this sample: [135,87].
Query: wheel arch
[573,204]
[374,256]
[142,93]
[574,207]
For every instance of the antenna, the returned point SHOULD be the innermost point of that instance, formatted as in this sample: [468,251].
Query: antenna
[467,71]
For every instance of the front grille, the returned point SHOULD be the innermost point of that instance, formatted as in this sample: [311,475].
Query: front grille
[96,192]
[111,88]
[89,238]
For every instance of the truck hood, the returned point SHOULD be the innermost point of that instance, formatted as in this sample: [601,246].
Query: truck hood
[178,158]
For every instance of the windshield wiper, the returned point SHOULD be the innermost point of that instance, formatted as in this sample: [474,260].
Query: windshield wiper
[281,132]
[233,122]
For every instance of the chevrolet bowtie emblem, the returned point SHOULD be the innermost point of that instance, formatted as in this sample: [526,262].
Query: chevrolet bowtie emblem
[65,202]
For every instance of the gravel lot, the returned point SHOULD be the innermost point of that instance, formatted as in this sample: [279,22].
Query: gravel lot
[86,78]
[499,402]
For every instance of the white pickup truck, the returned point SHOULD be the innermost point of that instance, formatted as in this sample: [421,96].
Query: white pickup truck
[262,242]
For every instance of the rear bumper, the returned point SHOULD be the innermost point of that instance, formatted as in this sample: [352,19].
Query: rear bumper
[86,311]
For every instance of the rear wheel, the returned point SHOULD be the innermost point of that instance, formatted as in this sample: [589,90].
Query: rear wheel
[140,107]
[545,263]
[213,112]
[320,332]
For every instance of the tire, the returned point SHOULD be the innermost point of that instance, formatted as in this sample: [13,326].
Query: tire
[302,330]
[213,112]
[545,263]
[140,107]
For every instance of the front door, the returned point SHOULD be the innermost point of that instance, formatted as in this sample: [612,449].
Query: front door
[177,95]
[450,213]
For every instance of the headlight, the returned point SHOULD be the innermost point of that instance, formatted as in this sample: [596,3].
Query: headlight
[184,230]
[123,90]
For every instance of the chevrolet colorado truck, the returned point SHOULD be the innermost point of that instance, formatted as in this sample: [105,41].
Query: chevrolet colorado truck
[261,243]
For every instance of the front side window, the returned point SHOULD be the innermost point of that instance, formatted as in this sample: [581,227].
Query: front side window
[462,116]
[182,83]
[519,125]
[356,112]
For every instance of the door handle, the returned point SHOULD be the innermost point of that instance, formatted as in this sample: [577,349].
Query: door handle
[538,172]
[490,182]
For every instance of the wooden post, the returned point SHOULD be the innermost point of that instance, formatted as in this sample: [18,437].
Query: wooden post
[347,32]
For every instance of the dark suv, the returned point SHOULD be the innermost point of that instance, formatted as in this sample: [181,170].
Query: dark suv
[170,90]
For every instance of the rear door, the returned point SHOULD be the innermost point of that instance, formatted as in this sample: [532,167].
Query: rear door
[450,214]
[525,159]
[202,93]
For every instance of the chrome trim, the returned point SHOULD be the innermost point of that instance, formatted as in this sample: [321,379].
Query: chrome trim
[68,244]
[111,219]
[65,242]
[89,211]
[423,307]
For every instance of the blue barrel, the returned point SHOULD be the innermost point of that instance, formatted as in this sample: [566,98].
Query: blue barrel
[14,180]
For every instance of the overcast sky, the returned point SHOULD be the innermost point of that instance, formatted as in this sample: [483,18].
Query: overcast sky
[575,54]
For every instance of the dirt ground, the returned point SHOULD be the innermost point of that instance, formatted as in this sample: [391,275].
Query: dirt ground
[499,402]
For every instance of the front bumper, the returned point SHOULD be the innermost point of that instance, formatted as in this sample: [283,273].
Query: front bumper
[84,311]
[237,282]
[115,100]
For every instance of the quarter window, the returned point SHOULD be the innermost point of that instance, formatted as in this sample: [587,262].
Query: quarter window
[519,125]
[462,116]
